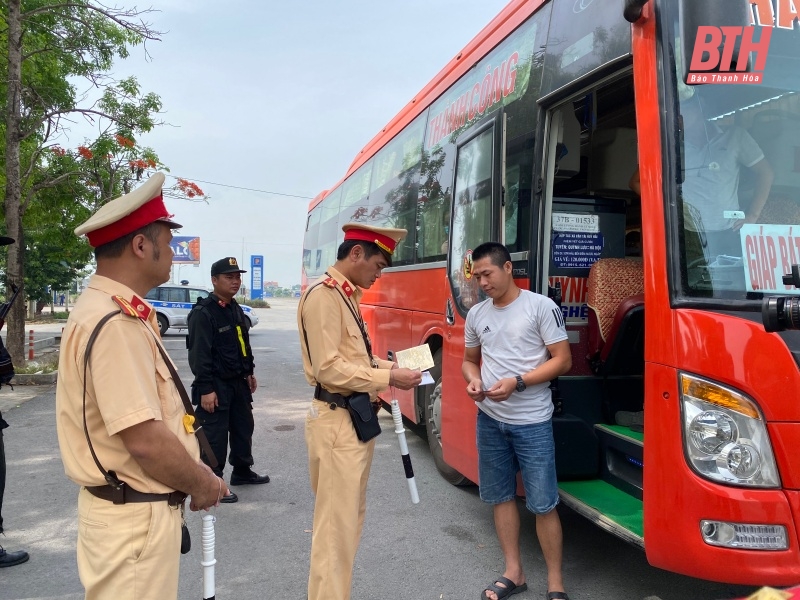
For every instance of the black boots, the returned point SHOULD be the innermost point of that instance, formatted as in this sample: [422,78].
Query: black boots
[9,559]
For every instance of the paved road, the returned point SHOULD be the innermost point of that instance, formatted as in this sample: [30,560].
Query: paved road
[444,548]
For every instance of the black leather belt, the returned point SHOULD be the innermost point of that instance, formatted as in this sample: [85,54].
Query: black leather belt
[126,495]
[334,400]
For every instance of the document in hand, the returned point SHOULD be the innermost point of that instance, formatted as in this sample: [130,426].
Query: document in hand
[418,357]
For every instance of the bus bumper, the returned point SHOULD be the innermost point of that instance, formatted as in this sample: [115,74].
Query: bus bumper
[681,547]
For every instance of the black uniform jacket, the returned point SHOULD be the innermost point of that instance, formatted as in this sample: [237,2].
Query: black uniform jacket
[218,343]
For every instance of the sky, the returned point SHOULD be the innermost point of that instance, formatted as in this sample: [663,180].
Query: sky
[280,96]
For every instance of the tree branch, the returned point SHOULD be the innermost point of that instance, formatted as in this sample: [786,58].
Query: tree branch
[116,15]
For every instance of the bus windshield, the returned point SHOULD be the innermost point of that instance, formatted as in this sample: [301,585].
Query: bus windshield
[736,176]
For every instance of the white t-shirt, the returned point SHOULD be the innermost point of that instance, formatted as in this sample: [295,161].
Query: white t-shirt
[514,340]
[711,181]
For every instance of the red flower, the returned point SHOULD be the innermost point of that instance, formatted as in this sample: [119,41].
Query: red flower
[85,152]
[124,142]
[188,188]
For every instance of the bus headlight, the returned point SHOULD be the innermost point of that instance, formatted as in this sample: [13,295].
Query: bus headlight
[724,435]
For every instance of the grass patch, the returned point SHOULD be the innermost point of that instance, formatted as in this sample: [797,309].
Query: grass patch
[47,363]
[258,304]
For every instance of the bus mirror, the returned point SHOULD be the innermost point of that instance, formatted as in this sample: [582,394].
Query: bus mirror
[633,10]
[716,14]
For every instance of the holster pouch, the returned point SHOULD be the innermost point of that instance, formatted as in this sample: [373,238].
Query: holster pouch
[365,420]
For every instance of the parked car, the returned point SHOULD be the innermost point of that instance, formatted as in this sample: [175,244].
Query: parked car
[173,302]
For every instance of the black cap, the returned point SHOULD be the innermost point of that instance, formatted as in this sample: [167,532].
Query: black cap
[226,265]
[5,241]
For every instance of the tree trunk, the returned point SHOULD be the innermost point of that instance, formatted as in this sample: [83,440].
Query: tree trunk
[15,339]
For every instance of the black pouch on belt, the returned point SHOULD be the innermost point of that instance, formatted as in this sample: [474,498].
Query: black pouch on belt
[186,539]
[365,421]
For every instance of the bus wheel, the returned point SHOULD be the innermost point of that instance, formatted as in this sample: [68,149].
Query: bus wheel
[163,324]
[433,424]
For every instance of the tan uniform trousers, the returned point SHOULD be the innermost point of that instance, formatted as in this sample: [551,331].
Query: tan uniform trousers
[339,467]
[128,551]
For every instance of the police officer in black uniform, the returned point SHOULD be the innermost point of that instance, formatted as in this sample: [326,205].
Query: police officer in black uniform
[222,362]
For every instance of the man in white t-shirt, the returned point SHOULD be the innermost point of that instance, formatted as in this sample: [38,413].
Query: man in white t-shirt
[516,344]
[713,158]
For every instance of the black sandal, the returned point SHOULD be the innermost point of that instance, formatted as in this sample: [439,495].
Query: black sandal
[504,592]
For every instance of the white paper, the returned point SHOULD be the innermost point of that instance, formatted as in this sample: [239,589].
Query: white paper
[427,379]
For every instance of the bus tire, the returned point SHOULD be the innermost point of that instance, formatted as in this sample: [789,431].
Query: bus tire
[163,324]
[432,397]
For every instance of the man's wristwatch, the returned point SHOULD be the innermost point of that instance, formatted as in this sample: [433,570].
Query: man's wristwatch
[520,384]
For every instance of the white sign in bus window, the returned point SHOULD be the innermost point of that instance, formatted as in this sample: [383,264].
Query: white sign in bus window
[578,50]
[576,222]
[769,252]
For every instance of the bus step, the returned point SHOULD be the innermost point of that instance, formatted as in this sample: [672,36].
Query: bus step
[607,506]
[621,457]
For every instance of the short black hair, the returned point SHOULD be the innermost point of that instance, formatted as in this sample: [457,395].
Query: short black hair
[370,250]
[115,248]
[498,253]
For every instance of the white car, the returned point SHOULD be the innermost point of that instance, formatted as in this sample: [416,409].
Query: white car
[173,302]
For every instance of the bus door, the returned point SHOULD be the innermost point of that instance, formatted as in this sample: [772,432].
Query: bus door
[589,211]
[477,216]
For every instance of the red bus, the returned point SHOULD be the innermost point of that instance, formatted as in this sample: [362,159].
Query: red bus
[534,135]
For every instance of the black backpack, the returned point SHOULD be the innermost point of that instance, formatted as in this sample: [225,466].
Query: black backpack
[6,366]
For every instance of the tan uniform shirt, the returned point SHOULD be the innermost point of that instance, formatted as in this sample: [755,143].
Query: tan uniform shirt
[339,359]
[127,383]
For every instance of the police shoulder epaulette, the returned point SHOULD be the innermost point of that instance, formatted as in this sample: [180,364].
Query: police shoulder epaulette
[135,307]
[330,282]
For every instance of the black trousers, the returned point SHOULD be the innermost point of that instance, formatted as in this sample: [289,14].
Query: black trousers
[2,473]
[231,420]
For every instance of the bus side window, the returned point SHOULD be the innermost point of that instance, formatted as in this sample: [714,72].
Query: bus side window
[518,192]
[436,174]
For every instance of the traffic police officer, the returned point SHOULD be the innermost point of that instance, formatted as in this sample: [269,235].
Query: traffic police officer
[336,361]
[222,362]
[127,405]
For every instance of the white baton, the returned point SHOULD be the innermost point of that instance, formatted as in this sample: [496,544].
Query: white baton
[401,435]
[208,540]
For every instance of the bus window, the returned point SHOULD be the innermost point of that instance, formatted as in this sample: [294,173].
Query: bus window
[737,184]
[330,233]
[394,187]
[436,173]
[355,196]
[472,215]
[518,192]
[310,244]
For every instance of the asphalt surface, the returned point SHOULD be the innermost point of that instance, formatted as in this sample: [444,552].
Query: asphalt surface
[443,548]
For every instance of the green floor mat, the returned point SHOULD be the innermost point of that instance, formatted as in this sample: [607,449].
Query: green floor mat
[612,503]
[624,431]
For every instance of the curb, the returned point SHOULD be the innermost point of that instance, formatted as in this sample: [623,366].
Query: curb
[35,378]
